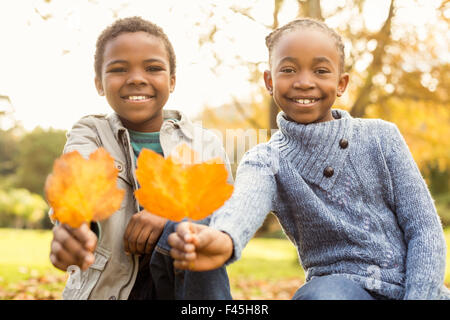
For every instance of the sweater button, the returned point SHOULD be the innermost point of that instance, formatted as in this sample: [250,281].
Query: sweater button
[343,143]
[112,298]
[328,172]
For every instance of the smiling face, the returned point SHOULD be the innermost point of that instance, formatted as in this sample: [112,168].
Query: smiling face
[136,79]
[304,78]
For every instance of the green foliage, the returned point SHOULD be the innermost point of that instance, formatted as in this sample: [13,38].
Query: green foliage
[37,152]
[20,208]
[443,208]
[26,158]
[439,180]
[9,150]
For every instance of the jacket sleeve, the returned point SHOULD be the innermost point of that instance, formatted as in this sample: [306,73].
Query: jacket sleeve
[83,138]
[417,217]
[251,201]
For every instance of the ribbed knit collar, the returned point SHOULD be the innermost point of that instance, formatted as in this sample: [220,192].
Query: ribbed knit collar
[313,147]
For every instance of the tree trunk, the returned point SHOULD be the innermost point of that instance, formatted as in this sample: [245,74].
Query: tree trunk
[358,109]
[310,8]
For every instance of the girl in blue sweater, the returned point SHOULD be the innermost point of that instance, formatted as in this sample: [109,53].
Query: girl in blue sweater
[346,191]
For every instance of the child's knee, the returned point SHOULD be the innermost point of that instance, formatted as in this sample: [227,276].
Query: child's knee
[331,287]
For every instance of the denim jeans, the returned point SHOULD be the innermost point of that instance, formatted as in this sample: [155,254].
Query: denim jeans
[159,280]
[332,287]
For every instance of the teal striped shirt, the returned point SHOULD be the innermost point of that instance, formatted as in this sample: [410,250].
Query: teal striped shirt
[148,140]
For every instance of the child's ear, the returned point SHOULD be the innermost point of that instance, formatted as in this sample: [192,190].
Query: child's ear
[342,85]
[268,81]
[99,86]
[172,83]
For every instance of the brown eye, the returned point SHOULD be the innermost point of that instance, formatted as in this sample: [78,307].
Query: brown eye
[155,69]
[114,70]
[287,70]
[322,71]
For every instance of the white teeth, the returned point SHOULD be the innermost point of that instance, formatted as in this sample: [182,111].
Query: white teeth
[305,101]
[136,98]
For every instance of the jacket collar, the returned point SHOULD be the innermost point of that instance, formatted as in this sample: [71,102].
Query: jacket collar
[172,119]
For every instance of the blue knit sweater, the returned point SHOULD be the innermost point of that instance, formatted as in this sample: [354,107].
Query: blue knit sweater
[350,197]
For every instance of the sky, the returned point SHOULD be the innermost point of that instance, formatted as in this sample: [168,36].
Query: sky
[46,66]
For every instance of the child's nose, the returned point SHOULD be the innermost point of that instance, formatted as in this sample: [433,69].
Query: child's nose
[136,78]
[303,81]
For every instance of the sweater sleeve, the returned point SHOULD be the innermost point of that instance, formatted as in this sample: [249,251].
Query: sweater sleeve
[417,216]
[254,190]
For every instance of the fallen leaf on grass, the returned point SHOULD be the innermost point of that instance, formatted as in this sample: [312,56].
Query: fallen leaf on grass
[243,288]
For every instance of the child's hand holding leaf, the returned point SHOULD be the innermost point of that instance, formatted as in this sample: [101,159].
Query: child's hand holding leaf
[72,246]
[197,247]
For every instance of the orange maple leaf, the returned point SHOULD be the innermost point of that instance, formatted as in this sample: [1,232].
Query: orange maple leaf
[181,186]
[81,190]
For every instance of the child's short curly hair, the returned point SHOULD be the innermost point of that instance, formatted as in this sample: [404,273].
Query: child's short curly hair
[307,23]
[131,24]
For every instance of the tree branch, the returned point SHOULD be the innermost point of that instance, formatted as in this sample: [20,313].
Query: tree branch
[244,12]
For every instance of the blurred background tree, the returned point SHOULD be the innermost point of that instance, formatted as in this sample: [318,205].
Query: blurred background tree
[399,71]
[9,149]
[26,158]
[20,208]
[37,151]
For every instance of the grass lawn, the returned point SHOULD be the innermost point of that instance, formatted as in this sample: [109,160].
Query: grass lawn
[266,264]
[24,253]
[270,259]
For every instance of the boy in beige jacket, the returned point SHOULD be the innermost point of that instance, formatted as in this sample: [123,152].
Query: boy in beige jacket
[127,256]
